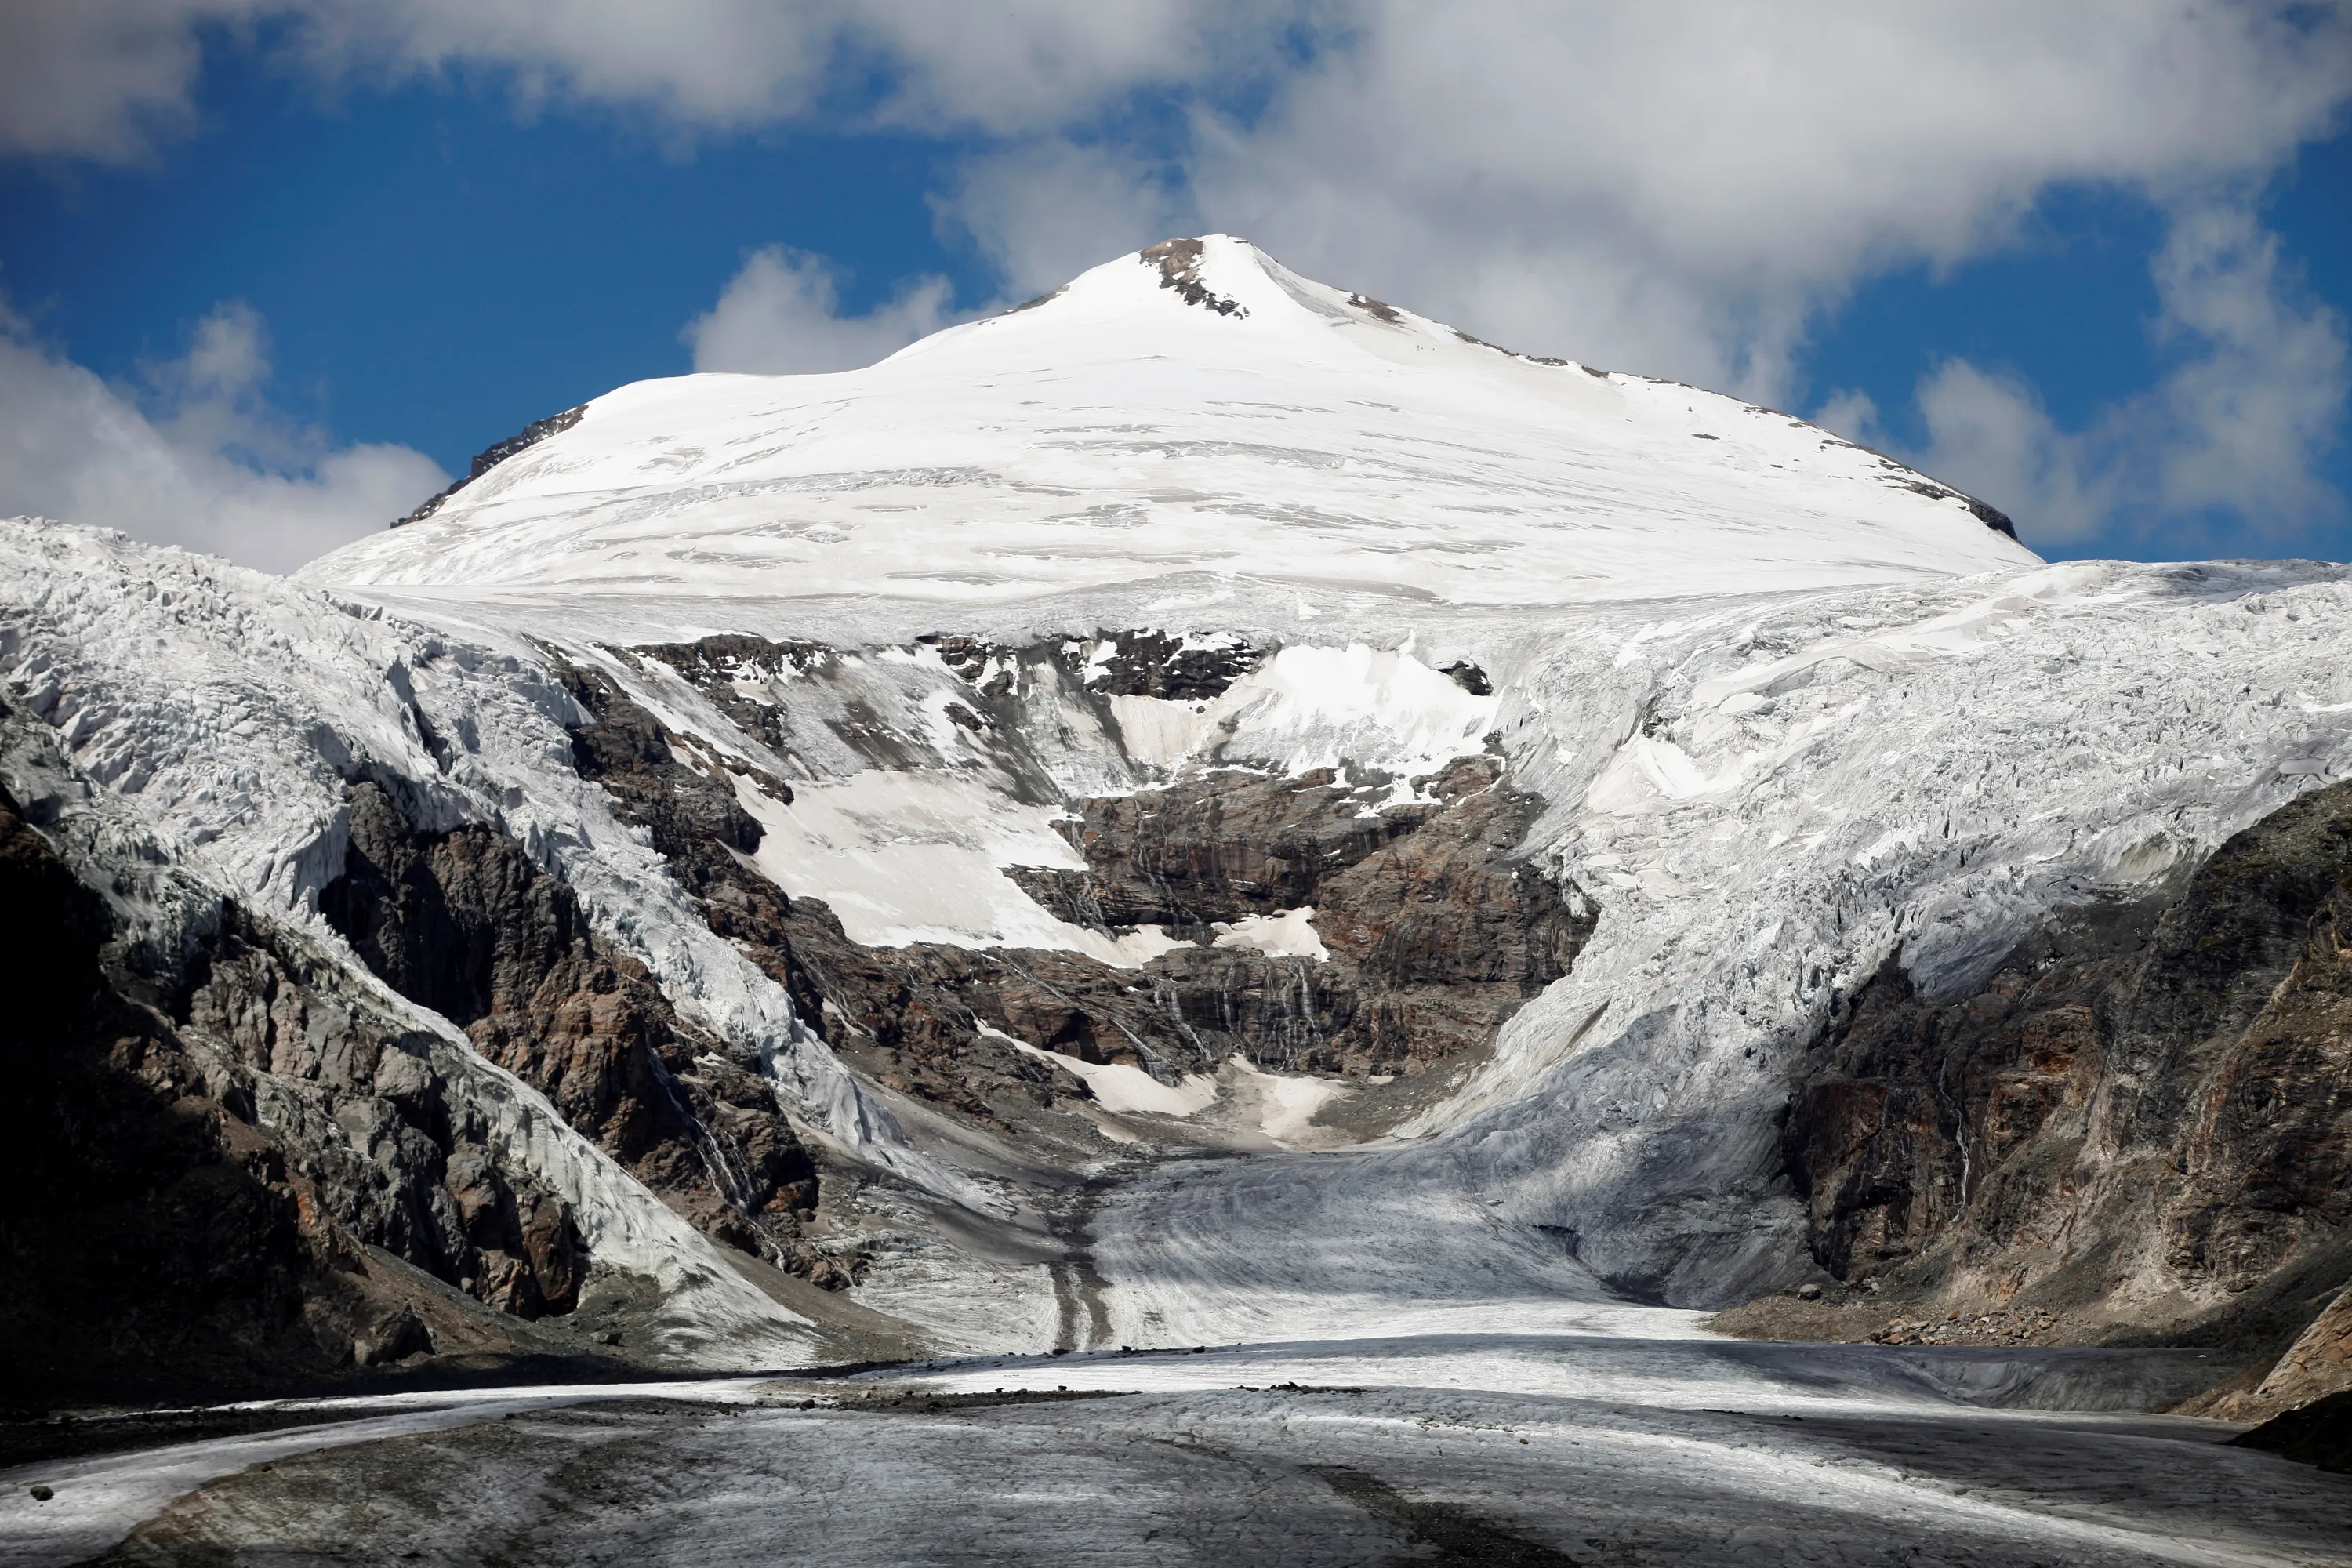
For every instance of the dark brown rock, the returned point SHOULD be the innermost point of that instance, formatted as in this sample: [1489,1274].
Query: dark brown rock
[172,1237]
[2143,1116]
[1435,933]
[463,923]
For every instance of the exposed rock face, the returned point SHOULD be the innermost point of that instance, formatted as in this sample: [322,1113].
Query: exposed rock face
[999,713]
[1433,938]
[1178,261]
[1432,935]
[139,1237]
[227,1155]
[1178,670]
[462,922]
[407,1174]
[2316,1365]
[2144,1116]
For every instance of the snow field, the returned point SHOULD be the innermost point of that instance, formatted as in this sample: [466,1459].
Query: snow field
[1116,436]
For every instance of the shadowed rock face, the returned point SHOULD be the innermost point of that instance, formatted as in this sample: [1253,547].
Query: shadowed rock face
[2144,1115]
[407,1174]
[225,1159]
[463,923]
[138,1235]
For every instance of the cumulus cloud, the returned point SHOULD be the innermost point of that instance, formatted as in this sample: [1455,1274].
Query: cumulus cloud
[195,456]
[781,313]
[1009,67]
[1684,187]
[97,78]
[2238,422]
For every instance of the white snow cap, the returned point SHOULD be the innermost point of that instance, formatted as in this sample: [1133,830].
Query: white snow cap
[1192,408]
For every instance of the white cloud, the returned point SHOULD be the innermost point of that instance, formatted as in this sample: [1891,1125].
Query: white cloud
[98,78]
[781,313]
[206,464]
[1044,211]
[1684,187]
[2237,424]
[1007,67]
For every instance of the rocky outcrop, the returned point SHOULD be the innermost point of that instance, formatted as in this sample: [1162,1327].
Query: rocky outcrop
[2317,1365]
[1157,664]
[231,1169]
[2142,1118]
[145,1231]
[490,456]
[1178,261]
[1432,932]
[392,1157]
[1433,937]
[1001,708]
[462,922]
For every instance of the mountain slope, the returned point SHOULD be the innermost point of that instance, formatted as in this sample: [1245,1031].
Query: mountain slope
[1195,410]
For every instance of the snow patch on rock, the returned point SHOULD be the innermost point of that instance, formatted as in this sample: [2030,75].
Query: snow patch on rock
[1285,933]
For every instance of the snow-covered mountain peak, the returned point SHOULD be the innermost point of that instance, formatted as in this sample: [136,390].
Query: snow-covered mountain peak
[1213,299]
[1191,411]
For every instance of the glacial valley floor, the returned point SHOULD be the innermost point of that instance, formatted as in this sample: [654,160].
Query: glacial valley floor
[1504,1446]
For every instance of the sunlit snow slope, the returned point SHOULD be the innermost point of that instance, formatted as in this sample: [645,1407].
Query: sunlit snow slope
[1195,409]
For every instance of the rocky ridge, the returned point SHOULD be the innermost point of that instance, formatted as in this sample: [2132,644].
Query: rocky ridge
[462,922]
[490,456]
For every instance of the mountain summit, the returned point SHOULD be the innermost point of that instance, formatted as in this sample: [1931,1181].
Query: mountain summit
[1195,407]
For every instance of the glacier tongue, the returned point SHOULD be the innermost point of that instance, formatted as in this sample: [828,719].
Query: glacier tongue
[1928,770]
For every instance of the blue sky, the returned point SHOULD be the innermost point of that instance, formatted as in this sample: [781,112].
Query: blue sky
[327,260]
